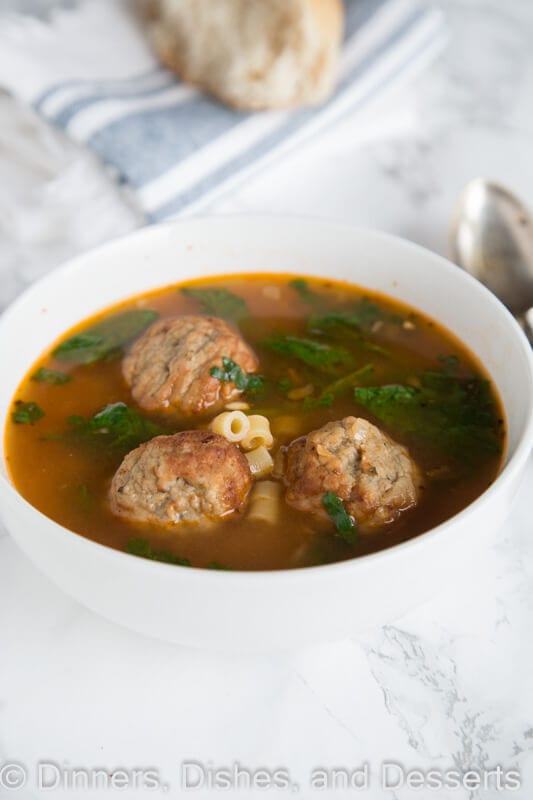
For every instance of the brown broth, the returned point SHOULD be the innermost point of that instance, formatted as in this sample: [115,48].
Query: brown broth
[68,481]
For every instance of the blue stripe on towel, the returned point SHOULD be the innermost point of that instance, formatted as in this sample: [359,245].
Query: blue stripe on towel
[277,137]
[358,12]
[144,145]
[63,117]
[106,88]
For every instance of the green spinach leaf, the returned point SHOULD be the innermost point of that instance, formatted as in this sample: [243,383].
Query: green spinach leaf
[106,339]
[26,413]
[450,364]
[316,402]
[361,317]
[349,381]
[284,385]
[455,415]
[219,302]
[85,498]
[306,294]
[52,376]
[232,373]
[117,426]
[344,384]
[320,356]
[342,520]
[143,549]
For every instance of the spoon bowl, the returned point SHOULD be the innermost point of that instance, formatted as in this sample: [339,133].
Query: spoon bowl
[492,239]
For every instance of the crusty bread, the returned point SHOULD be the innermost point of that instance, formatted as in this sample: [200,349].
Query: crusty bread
[251,54]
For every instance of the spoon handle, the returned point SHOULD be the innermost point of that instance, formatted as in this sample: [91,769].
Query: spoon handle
[526,321]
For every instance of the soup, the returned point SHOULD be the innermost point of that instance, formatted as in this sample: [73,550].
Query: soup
[255,422]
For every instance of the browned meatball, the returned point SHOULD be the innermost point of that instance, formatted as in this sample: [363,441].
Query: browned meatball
[168,366]
[373,476]
[187,477]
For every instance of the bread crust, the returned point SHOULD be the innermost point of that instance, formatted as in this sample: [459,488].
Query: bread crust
[251,54]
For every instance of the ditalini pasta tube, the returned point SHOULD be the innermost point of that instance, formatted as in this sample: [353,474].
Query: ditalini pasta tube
[258,434]
[260,461]
[264,502]
[233,425]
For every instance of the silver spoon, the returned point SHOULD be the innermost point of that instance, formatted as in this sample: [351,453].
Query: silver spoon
[491,237]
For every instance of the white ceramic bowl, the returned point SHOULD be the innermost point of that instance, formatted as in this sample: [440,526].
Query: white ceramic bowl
[257,611]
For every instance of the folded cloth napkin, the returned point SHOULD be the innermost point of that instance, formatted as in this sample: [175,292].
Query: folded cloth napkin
[87,68]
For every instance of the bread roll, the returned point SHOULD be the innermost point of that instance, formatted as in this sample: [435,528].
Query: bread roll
[251,54]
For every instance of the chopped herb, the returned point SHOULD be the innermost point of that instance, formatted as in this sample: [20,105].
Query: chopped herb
[143,549]
[338,514]
[232,373]
[316,402]
[26,413]
[450,364]
[362,317]
[217,565]
[219,302]
[349,381]
[367,313]
[456,415]
[116,425]
[321,356]
[343,327]
[330,392]
[383,397]
[106,339]
[323,323]
[85,498]
[83,348]
[306,294]
[284,386]
[44,375]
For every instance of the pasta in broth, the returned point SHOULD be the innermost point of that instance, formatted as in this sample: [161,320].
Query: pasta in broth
[295,401]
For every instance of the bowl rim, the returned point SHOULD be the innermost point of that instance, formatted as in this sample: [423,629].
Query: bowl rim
[508,472]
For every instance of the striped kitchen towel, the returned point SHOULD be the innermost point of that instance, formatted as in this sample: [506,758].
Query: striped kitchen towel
[87,67]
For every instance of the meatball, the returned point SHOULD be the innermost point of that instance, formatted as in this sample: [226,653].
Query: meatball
[190,476]
[168,367]
[374,477]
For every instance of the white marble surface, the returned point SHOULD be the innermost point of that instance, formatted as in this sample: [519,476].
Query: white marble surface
[450,685]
